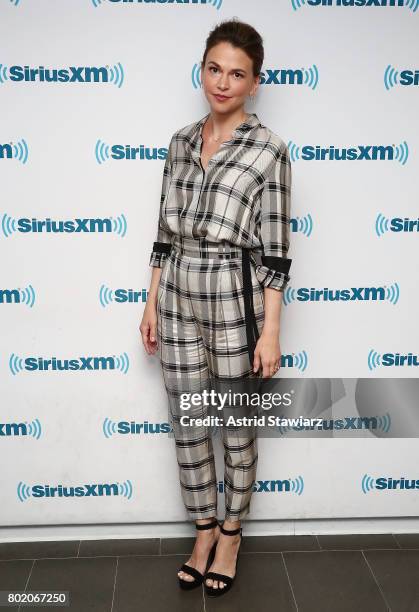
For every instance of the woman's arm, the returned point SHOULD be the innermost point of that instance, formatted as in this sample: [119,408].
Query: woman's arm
[273,273]
[159,254]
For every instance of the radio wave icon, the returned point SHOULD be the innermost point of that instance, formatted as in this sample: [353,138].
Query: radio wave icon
[297,485]
[402,152]
[381,224]
[101,152]
[283,429]
[393,293]
[297,4]
[305,225]
[289,295]
[367,483]
[390,77]
[116,74]
[119,225]
[125,489]
[300,361]
[21,151]
[15,364]
[384,422]
[105,295]
[3,73]
[27,296]
[109,428]
[374,359]
[294,151]
[8,225]
[34,429]
[196,76]
[96,3]
[23,491]
[412,5]
[311,76]
[122,363]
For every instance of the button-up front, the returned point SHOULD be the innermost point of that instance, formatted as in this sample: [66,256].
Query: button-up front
[243,196]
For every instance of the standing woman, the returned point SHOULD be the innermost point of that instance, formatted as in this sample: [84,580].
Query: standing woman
[214,309]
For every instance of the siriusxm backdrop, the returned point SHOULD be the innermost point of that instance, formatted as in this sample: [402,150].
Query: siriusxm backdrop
[91,92]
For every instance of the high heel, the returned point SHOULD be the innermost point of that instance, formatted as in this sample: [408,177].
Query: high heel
[228,580]
[187,585]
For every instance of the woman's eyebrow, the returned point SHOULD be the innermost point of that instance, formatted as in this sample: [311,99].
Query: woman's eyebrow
[233,69]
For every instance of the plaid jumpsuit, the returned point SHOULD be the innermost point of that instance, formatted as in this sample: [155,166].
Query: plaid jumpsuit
[223,235]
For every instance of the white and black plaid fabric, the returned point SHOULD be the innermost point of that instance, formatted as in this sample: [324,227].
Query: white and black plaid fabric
[213,226]
[201,333]
[243,197]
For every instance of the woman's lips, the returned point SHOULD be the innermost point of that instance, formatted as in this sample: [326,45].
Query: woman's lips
[221,98]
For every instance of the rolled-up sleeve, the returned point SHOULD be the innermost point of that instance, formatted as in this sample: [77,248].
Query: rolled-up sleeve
[275,213]
[162,244]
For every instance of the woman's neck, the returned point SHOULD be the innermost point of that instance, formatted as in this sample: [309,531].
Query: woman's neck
[220,125]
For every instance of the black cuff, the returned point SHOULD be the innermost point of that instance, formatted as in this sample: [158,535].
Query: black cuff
[280,264]
[162,247]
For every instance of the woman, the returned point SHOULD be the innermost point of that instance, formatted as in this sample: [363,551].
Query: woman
[225,200]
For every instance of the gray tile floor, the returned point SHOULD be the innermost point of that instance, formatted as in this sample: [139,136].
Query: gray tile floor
[336,573]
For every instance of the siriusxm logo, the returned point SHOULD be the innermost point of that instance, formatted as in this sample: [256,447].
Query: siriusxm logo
[18,151]
[287,76]
[288,485]
[376,360]
[385,483]
[120,296]
[103,152]
[353,294]
[393,77]
[18,296]
[354,423]
[299,361]
[396,224]
[114,489]
[108,225]
[215,3]
[303,225]
[411,4]
[398,153]
[32,429]
[72,74]
[39,364]
[308,77]
[111,428]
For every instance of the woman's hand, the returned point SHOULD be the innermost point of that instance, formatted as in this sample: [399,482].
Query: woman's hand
[267,354]
[267,351]
[148,326]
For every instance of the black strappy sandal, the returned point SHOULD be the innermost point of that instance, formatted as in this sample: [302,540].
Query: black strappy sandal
[187,585]
[228,581]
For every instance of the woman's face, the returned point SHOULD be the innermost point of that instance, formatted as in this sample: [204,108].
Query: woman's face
[228,72]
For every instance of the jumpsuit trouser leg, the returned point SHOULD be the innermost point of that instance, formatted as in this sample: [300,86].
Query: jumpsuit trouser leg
[201,332]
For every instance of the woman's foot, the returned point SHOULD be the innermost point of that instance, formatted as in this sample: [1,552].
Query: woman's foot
[205,540]
[225,555]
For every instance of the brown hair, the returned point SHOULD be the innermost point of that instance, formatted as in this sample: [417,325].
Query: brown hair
[241,35]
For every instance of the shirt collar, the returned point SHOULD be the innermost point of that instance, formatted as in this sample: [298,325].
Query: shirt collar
[241,130]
